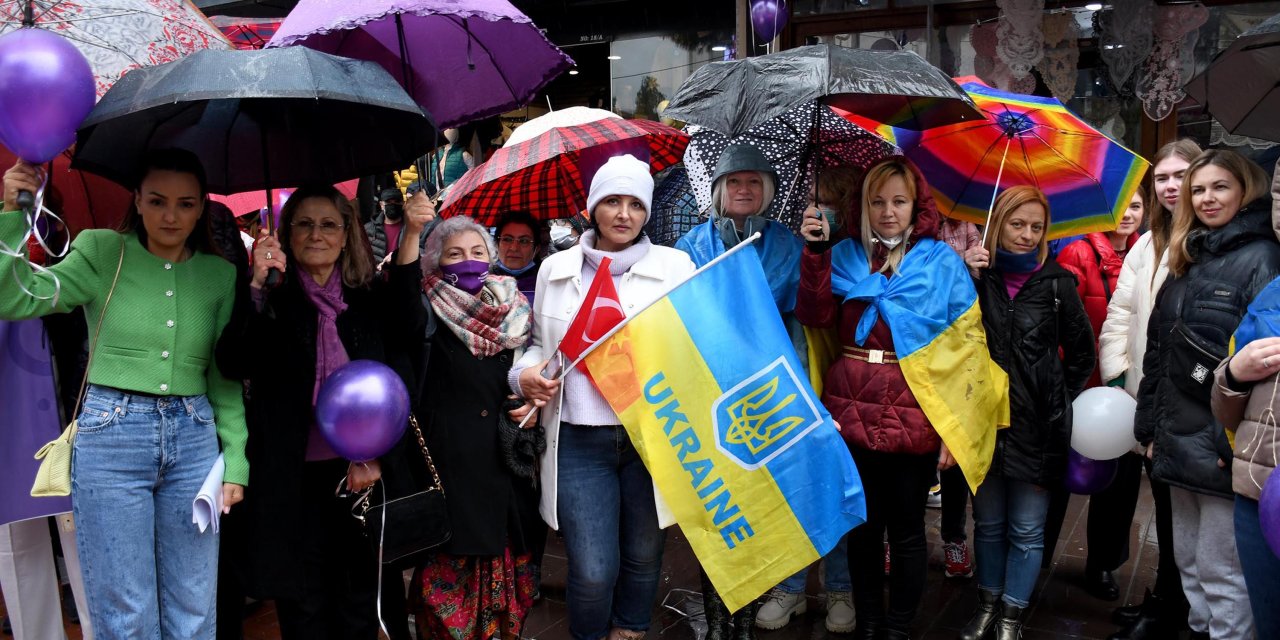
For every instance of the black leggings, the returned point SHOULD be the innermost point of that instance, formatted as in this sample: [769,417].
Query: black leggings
[896,486]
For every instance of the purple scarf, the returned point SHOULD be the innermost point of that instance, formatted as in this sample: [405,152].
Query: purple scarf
[330,354]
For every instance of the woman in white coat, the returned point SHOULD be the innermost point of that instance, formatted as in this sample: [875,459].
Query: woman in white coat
[595,489]
[1121,346]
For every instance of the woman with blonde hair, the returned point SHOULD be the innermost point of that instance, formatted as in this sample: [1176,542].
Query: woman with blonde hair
[1222,252]
[1031,309]
[891,259]
[1122,342]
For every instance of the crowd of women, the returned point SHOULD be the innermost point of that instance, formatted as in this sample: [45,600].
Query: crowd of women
[190,356]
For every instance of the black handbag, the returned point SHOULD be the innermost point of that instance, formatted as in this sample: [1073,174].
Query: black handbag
[406,529]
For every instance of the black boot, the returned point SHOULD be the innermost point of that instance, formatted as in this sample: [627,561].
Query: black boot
[984,619]
[744,622]
[867,628]
[1125,616]
[1009,626]
[892,634]
[717,614]
[1101,585]
[1153,620]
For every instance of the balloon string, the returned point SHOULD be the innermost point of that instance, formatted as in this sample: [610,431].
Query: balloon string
[1267,419]
[20,255]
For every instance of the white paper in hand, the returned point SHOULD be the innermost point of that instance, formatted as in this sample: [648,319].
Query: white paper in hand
[207,506]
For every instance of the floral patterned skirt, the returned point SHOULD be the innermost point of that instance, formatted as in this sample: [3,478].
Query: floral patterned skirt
[472,597]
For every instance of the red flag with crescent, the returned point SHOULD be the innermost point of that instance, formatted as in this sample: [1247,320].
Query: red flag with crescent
[599,312]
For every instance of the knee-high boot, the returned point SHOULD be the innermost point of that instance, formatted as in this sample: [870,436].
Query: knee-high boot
[716,613]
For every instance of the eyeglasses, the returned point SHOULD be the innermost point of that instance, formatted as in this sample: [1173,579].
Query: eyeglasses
[326,227]
[522,241]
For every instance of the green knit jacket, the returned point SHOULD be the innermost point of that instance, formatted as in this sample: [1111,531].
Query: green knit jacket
[160,330]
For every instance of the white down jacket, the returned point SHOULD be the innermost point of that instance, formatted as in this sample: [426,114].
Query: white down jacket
[1123,340]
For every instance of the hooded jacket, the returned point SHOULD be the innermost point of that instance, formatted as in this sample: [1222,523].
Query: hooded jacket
[872,402]
[1097,267]
[1188,334]
[1024,335]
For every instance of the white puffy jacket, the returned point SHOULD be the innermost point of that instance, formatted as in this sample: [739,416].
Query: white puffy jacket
[1123,340]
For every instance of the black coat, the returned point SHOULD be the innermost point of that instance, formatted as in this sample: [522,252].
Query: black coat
[275,350]
[1188,335]
[1024,335]
[462,398]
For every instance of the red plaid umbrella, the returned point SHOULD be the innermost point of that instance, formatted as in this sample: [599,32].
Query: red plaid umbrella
[548,175]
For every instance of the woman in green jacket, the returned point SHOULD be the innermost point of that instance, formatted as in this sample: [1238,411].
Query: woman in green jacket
[157,410]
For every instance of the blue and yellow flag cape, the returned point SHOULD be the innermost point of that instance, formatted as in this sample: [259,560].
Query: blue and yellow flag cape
[1261,320]
[932,310]
[711,392]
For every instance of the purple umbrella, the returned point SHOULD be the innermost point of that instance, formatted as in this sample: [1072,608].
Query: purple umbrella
[461,60]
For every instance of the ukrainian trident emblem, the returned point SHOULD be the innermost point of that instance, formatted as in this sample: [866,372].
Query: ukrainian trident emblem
[763,415]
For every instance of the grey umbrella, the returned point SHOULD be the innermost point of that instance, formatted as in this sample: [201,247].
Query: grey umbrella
[258,119]
[1241,87]
[892,87]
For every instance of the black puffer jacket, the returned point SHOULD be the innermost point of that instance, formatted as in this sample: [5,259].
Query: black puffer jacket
[1187,336]
[1024,335]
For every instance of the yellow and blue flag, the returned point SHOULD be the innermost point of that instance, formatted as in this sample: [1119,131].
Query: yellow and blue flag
[932,310]
[708,385]
[1261,320]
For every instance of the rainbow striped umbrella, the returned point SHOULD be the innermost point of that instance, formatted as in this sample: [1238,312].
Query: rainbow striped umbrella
[1088,177]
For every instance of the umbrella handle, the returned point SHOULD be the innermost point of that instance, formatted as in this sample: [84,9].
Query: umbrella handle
[26,200]
[274,277]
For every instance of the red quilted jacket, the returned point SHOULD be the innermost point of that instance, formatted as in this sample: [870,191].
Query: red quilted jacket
[1090,259]
[872,402]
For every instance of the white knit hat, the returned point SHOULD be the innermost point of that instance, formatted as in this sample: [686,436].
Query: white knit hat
[622,176]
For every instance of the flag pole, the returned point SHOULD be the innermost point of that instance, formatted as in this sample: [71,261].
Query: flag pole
[609,334]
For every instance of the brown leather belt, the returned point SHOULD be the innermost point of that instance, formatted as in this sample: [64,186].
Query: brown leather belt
[873,356]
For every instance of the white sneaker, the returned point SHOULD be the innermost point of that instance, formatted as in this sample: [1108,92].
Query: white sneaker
[839,612]
[777,610]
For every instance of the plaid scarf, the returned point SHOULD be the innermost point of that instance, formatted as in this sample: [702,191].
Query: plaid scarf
[490,322]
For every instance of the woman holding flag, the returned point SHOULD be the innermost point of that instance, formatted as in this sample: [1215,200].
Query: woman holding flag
[595,489]
[914,391]
[1030,310]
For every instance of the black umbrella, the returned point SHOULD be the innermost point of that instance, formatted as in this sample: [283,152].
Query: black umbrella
[258,119]
[894,87]
[1241,87]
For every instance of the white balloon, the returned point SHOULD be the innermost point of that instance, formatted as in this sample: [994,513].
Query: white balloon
[1102,423]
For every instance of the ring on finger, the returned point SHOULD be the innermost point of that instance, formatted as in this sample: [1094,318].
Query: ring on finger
[268,255]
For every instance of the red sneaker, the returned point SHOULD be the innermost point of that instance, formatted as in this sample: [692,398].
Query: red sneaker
[956,555]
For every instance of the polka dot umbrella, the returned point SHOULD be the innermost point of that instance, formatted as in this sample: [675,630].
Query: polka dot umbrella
[800,144]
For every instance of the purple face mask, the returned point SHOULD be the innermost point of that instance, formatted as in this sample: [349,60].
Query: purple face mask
[468,275]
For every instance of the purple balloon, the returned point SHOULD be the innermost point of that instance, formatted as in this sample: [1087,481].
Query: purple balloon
[362,409]
[46,90]
[768,17]
[1087,476]
[1269,512]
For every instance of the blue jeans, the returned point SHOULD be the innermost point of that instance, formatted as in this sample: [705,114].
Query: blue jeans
[610,527]
[1260,566]
[138,464]
[835,573]
[1008,534]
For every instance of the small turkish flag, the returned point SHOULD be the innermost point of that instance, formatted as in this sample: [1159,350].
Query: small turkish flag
[599,312]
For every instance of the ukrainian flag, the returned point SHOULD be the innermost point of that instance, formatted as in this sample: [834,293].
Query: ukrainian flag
[1261,320]
[931,308]
[709,388]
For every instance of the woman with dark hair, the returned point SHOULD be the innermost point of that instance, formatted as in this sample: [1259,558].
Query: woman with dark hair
[299,544]
[157,408]
[521,241]
[1122,342]
[1222,252]
[1031,313]
[595,489]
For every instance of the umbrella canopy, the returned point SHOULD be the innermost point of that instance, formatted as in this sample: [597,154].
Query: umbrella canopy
[1087,177]
[254,201]
[558,118]
[1241,87]
[119,35]
[799,144]
[548,175]
[271,118]
[88,201]
[895,87]
[462,60]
